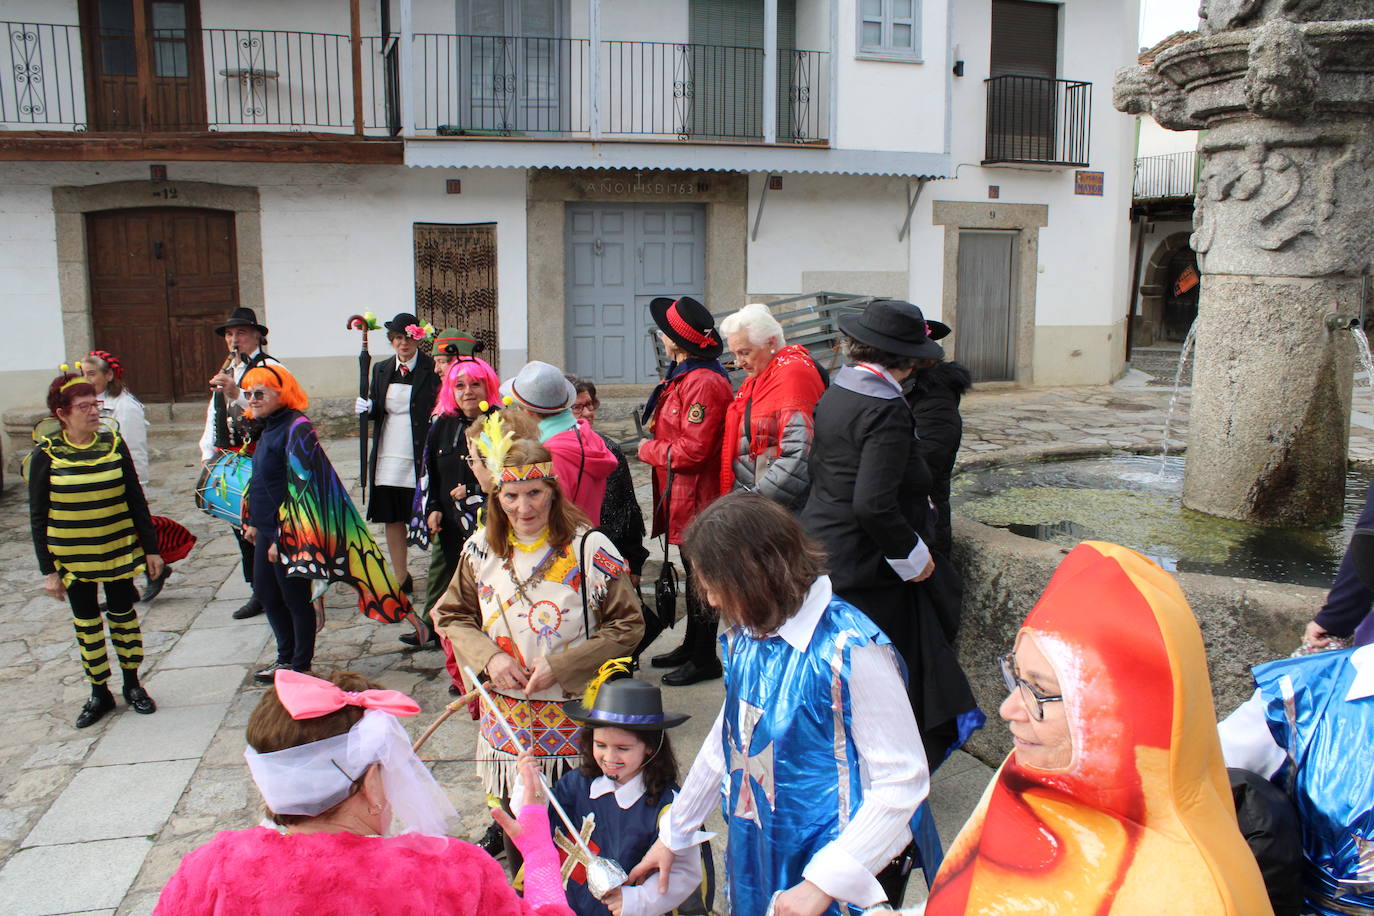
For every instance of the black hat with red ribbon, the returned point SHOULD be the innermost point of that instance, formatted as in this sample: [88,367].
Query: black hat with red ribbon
[688,324]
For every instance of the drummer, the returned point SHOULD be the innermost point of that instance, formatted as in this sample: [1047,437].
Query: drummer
[225,425]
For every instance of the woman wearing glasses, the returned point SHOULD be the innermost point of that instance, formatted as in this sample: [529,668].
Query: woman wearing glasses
[1115,799]
[90,525]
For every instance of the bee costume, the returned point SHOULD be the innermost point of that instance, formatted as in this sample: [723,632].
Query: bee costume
[90,524]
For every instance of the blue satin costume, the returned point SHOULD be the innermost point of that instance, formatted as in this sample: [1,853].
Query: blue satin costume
[792,779]
[1329,773]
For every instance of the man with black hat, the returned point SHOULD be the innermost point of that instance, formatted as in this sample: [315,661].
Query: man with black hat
[870,506]
[225,425]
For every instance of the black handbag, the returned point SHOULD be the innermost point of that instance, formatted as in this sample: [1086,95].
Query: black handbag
[666,586]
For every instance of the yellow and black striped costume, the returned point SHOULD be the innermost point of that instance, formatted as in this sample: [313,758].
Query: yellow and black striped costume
[90,523]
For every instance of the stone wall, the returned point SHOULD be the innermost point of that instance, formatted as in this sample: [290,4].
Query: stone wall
[1244,622]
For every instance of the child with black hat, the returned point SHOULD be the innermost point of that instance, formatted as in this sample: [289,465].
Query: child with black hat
[627,779]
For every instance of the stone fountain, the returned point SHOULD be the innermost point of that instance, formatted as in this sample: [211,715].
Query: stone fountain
[1284,234]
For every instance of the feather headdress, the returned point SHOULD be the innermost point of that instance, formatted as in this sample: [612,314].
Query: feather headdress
[495,441]
[607,671]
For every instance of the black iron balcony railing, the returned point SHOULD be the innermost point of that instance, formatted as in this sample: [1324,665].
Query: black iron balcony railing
[56,77]
[1034,119]
[1165,176]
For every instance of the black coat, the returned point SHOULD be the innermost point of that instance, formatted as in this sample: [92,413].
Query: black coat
[424,383]
[934,396]
[447,455]
[868,485]
[869,502]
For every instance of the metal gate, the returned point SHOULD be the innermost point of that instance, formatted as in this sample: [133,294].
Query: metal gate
[619,258]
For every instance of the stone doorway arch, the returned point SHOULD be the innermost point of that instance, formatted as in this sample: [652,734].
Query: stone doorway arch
[1168,314]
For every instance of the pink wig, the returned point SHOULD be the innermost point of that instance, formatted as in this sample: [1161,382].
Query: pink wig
[477,370]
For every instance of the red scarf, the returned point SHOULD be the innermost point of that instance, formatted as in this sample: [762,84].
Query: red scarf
[789,383]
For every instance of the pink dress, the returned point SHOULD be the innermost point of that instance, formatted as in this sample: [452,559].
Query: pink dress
[262,871]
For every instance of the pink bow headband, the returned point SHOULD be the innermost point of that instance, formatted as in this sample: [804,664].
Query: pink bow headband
[306,697]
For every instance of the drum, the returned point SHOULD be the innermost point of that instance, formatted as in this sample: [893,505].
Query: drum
[224,485]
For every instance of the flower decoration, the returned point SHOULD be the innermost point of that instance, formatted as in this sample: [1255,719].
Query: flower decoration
[422,331]
[364,322]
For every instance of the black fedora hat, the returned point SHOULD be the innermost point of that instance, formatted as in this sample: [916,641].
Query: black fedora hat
[688,324]
[242,318]
[625,703]
[892,326]
[399,324]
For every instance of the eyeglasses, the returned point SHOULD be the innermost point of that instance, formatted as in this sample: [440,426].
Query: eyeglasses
[86,405]
[260,394]
[1034,700]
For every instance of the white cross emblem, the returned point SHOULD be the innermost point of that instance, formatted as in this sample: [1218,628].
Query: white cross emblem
[756,767]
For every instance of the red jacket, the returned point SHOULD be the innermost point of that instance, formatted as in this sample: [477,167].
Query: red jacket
[687,425]
[583,463]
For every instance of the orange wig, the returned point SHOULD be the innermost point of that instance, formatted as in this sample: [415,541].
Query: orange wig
[280,381]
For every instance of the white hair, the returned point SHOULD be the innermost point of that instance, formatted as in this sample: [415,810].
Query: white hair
[757,323]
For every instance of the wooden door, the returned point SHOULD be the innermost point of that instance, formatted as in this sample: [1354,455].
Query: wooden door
[986,313]
[619,258]
[455,280]
[161,279]
[144,65]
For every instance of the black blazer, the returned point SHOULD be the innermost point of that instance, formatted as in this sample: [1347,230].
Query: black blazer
[424,389]
[869,486]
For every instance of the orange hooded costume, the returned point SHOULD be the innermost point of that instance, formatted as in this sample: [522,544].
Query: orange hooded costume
[1141,820]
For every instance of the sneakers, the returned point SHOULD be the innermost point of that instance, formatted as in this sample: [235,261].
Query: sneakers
[268,675]
[100,702]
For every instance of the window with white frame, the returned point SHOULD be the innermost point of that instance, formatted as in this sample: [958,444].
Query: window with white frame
[889,29]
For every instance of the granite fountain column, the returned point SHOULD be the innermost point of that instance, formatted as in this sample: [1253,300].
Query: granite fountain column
[1284,233]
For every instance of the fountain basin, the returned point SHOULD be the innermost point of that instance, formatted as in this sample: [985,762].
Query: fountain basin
[1244,620]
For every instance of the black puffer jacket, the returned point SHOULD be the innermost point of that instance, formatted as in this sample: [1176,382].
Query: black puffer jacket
[934,396]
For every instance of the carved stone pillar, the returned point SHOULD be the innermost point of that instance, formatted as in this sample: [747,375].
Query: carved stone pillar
[1283,237]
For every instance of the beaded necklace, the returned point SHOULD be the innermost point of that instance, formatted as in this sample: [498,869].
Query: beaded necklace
[532,546]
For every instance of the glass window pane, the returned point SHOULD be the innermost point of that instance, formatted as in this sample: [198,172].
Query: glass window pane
[873,35]
[116,15]
[901,9]
[873,9]
[538,17]
[488,17]
[117,57]
[169,58]
[169,16]
[901,36]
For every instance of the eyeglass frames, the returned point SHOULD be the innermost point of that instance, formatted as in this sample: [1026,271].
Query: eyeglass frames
[1034,701]
[259,394]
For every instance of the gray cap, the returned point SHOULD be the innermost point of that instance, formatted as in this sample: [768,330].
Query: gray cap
[540,388]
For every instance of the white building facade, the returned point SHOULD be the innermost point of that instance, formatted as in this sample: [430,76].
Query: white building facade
[537,170]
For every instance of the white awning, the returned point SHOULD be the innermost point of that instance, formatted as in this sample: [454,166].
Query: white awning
[576,154]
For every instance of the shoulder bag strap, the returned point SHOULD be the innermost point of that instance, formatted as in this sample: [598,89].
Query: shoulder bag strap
[582,573]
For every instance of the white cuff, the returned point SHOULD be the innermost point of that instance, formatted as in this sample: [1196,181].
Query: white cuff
[678,842]
[843,877]
[912,565]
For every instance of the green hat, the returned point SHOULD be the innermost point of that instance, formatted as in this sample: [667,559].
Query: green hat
[463,343]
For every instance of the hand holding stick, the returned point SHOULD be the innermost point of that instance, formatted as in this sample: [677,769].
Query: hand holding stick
[603,875]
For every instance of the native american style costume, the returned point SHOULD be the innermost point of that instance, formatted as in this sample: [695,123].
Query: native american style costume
[90,523]
[530,605]
[322,535]
[1141,820]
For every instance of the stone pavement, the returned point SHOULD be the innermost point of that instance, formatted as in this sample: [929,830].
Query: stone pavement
[95,821]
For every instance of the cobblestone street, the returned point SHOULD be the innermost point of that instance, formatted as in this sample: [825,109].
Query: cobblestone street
[97,820]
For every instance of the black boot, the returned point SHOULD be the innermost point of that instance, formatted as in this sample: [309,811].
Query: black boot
[430,640]
[101,701]
[155,585]
[674,658]
[251,608]
[136,696]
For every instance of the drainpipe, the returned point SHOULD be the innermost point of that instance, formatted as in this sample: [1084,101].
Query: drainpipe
[949,77]
[1140,223]
[406,64]
[770,71]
